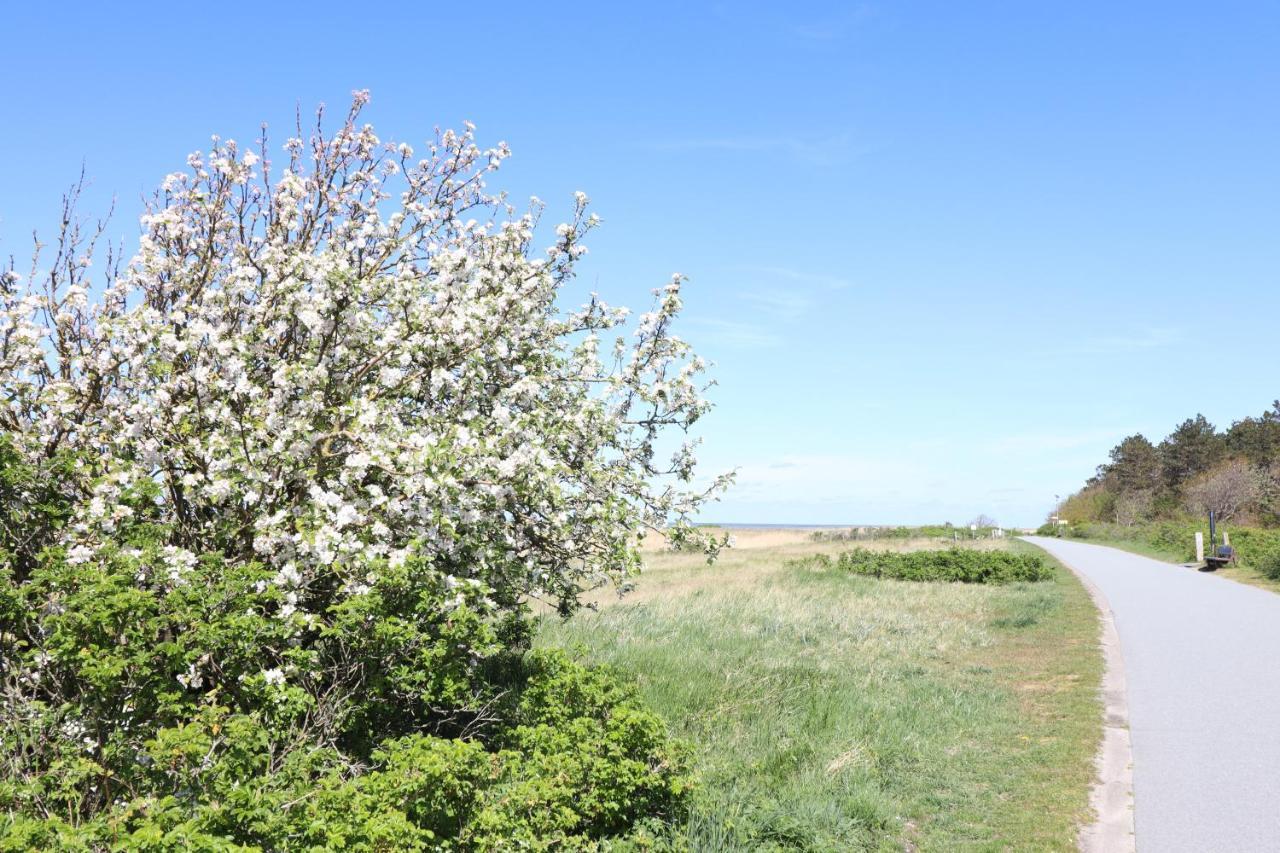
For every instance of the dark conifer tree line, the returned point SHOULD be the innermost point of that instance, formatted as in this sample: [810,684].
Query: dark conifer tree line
[1196,468]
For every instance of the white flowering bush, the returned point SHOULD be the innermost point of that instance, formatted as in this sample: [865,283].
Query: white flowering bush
[276,498]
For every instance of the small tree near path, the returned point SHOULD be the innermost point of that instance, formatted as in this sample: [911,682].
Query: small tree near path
[1226,490]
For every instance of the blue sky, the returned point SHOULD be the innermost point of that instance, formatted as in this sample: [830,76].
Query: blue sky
[944,255]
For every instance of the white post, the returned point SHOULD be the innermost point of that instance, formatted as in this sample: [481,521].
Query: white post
[1199,547]
[1226,538]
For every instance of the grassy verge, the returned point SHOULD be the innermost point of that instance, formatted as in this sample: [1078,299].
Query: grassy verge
[1138,546]
[1240,573]
[1248,574]
[837,712]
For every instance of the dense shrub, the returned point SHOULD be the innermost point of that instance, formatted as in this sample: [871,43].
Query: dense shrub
[962,565]
[1092,503]
[575,759]
[1092,530]
[855,534]
[927,531]
[1268,562]
[1174,536]
[274,508]
[1256,547]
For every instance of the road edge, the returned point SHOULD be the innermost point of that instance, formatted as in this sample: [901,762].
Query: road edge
[1111,797]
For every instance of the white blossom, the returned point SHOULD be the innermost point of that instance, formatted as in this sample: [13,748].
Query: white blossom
[351,366]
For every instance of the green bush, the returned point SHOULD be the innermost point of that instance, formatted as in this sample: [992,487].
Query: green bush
[569,757]
[1173,536]
[953,565]
[900,533]
[1255,547]
[1268,562]
[1176,536]
[1258,548]
[161,716]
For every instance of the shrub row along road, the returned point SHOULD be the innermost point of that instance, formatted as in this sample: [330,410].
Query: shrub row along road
[1204,699]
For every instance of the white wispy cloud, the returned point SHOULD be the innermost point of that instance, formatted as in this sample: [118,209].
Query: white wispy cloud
[835,28]
[1136,341]
[912,482]
[801,277]
[817,151]
[730,333]
[823,478]
[787,304]
[1035,443]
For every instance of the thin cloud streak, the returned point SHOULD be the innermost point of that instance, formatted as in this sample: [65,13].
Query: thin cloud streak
[834,29]
[1145,339]
[826,151]
[731,333]
[786,304]
[829,281]
[1048,443]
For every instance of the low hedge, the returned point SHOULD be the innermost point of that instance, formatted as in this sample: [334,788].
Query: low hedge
[1256,547]
[951,565]
[583,765]
[927,531]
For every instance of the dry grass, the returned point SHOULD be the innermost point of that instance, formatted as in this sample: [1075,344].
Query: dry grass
[756,555]
[838,712]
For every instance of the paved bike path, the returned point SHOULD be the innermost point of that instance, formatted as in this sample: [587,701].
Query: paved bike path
[1202,661]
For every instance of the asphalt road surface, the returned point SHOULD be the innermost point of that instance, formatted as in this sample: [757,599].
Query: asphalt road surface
[1202,659]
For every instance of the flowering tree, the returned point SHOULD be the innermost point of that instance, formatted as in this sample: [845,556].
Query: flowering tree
[313,451]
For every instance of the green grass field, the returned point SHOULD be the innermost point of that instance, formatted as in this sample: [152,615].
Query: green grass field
[835,712]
